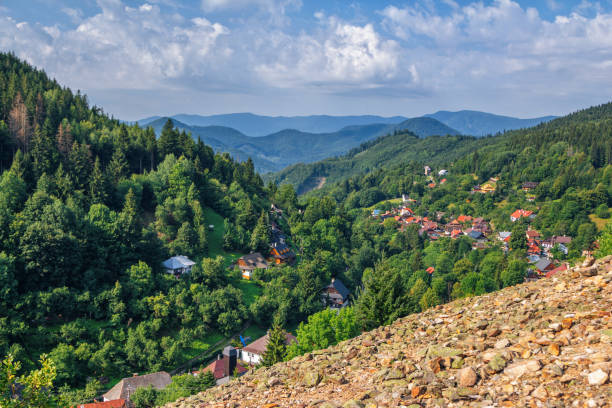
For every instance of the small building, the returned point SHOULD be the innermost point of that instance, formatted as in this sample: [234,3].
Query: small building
[475,234]
[253,353]
[224,367]
[427,170]
[281,253]
[430,270]
[532,234]
[248,263]
[518,214]
[543,266]
[178,265]
[529,185]
[336,295]
[118,403]
[126,387]
[443,172]
[504,235]
[551,273]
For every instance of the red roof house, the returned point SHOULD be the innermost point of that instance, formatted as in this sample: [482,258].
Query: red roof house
[518,214]
[118,403]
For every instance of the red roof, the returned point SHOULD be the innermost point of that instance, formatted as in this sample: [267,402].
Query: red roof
[561,268]
[430,270]
[118,403]
[521,213]
[455,233]
[218,369]
[431,185]
[464,218]
[532,234]
[442,181]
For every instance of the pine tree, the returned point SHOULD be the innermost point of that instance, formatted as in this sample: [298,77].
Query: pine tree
[260,236]
[64,139]
[276,350]
[118,166]
[98,184]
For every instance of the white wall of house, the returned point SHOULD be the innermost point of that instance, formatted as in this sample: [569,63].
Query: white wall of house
[251,358]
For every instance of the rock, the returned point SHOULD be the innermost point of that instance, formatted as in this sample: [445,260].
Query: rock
[598,377]
[467,377]
[311,378]
[394,374]
[554,369]
[503,343]
[519,369]
[554,349]
[540,393]
[497,363]
[353,404]
[438,351]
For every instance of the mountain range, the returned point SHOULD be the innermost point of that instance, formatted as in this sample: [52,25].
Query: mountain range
[278,150]
[467,122]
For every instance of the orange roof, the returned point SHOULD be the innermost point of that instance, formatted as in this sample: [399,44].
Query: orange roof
[464,218]
[442,181]
[521,213]
[430,270]
[557,269]
[454,233]
[431,185]
[118,403]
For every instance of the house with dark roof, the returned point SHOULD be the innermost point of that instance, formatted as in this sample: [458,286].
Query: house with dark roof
[475,234]
[543,266]
[336,295]
[178,265]
[248,263]
[253,352]
[126,387]
[281,253]
[529,185]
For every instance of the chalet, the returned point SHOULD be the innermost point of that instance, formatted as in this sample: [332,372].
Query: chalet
[118,403]
[518,214]
[543,266]
[405,211]
[178,265]
[529,185]
[488,187]
[253,353]
[248,263]
[281,253]
[126,387]
[555,240]
[336,295]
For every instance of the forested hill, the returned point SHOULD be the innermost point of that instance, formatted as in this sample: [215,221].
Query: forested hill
[481,123]
[89,208]
[278,150]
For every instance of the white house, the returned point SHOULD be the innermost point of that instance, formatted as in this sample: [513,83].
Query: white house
[443,172]
[253,353]
[178,265]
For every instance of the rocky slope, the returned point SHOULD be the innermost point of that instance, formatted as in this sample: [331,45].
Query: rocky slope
[546,343]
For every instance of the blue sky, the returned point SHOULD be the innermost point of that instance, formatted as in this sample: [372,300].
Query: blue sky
[137,58]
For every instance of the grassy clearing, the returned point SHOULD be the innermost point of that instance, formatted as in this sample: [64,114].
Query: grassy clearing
[215,237]
[393,201]
[599,222]
[250,290]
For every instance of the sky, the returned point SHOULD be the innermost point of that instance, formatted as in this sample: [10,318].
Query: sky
[137,58]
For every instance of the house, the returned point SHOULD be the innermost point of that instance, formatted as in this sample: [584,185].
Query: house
[503,235]
[443,181]
[430,270]
[126,387]
[529,185]
[475,234]
[464,218]
[118,403]
[558,269]
[532,234]
[427,170]
[248,263]
[518,214]
[224,367]
[488,187]
[456,233]
[443,172]
[253,353]
[178,265]
[336,295]
[556,240]
[431,185]
[543,266]
[281,253]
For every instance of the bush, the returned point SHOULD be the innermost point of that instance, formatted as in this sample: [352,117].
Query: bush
[602,211]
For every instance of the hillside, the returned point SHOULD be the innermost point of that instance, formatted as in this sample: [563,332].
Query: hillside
[383,152]
[289,146]
[481,123]
[543,342]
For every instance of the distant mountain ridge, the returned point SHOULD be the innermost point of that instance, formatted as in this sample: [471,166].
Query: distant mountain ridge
[280,149]
[476,123]
[257,125]
[466,122]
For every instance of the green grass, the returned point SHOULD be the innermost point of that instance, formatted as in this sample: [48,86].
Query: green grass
[199,346]
[215,237]
[391,201]
[254,332]
[599,222]
[250,291]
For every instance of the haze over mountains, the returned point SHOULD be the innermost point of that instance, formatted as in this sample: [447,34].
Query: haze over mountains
[277,142]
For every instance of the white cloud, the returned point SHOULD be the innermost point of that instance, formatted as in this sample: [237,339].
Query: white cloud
[120,47]
[338,55]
